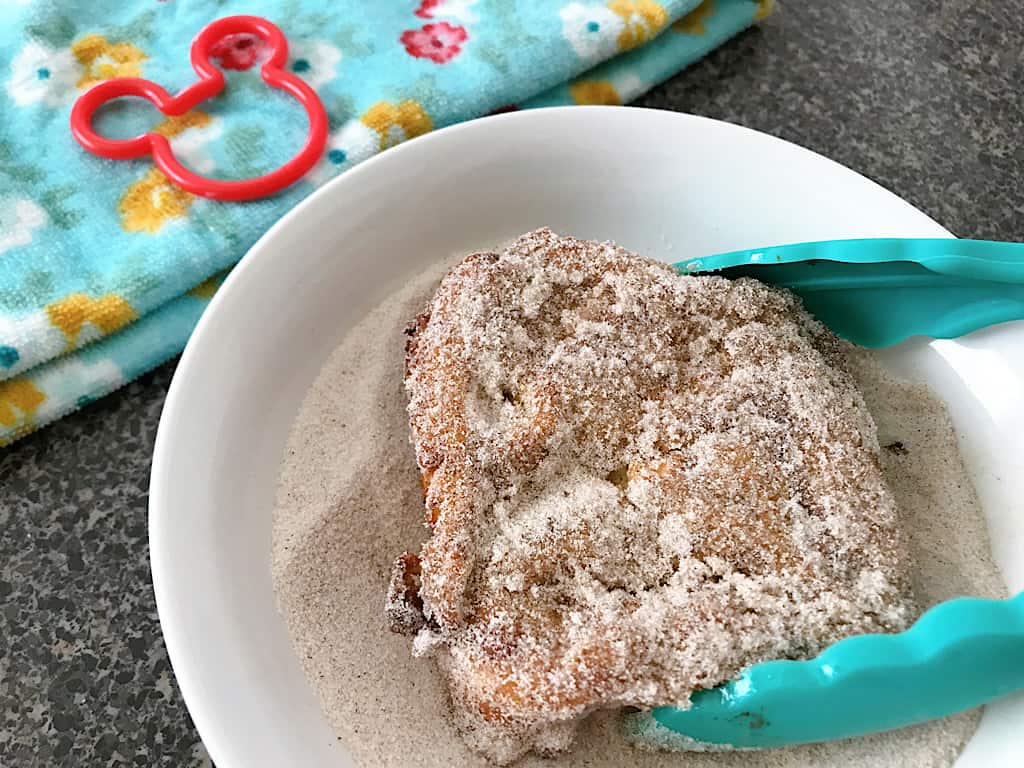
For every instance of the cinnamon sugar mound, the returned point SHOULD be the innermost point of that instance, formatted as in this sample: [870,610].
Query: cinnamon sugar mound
[637,484]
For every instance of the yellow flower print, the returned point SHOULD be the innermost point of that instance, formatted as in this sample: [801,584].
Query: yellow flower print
[107,313]
[18,396]
[208,287]
[396,123]
[642,20]
[172,126]
[102,60]
[764,7]
[594,92]
[693,22]
[151,201]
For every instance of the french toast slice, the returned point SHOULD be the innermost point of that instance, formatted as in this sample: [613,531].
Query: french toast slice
[636,483]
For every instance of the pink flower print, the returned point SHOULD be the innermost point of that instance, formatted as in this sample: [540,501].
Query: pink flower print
[239,51]
[453,9]
[427,8]
[440,42]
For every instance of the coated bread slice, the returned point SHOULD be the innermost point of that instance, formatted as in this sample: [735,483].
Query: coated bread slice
[637,483]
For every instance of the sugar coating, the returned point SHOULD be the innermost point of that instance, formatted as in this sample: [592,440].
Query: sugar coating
[349,498]
[637,483]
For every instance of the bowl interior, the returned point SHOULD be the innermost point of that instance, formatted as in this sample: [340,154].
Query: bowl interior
[667,185]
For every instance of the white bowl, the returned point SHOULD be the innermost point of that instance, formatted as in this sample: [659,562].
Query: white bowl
[664,184]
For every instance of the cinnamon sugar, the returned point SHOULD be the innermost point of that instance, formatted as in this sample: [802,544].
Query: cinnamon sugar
[350,499]
[749,520]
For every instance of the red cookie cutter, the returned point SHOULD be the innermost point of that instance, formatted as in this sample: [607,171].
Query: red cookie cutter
[211,82]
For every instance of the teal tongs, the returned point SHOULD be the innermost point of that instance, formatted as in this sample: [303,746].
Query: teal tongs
[959,654]
[878,292]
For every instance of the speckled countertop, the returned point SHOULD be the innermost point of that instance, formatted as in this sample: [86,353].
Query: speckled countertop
[924,96]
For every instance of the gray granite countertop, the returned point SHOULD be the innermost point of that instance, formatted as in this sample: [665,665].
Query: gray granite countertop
[924,96]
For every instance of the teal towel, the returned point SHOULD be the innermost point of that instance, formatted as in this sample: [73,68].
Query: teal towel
[105,268]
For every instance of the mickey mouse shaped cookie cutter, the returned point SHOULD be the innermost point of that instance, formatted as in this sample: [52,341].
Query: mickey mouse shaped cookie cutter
[210,83]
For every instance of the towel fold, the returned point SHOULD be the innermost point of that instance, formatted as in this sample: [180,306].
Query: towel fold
[105,267]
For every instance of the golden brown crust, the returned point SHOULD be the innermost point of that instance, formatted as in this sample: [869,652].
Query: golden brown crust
[637,483]
[403,608]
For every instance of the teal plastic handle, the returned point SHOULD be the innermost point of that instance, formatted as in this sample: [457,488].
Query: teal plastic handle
[878,292]
[958,655]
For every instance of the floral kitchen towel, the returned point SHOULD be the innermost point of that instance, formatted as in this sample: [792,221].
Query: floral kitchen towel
[105,267]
